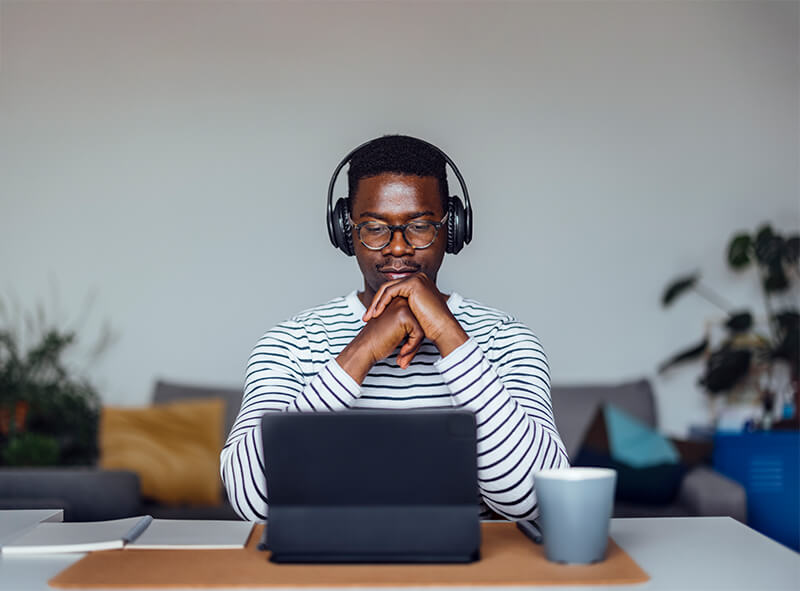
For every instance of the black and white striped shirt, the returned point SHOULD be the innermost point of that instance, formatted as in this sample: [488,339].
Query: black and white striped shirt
[500,373]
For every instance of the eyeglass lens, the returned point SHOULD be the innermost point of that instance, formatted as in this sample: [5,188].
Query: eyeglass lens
[417,234]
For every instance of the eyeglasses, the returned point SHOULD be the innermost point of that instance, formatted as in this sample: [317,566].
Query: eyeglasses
[417,234]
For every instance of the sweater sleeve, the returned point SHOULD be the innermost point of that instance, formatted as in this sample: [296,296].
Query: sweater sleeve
[510,396]
[276,381]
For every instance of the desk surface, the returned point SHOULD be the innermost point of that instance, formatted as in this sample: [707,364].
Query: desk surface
[681,553]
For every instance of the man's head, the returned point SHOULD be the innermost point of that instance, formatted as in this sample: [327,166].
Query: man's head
[397,180]
[400,154]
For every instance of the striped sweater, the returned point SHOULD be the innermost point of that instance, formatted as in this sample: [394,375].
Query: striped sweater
[500,374]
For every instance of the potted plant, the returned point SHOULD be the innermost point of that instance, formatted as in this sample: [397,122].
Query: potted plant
[48,414]
[749,353]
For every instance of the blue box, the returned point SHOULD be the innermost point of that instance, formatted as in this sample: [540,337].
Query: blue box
[767,464]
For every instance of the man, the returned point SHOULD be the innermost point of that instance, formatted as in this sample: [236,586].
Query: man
[402,344]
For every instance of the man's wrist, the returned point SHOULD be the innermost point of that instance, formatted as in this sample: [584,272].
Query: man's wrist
[356,361]
[450,340]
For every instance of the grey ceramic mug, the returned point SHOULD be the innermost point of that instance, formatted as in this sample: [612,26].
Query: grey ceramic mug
[575,507]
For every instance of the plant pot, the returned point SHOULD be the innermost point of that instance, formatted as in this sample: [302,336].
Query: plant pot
[12,420]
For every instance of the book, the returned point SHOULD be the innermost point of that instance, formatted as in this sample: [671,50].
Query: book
[15,522]
[54,538]
[189,534]
[137,533]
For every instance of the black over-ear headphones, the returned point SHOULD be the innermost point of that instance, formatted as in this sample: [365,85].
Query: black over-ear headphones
[459,219]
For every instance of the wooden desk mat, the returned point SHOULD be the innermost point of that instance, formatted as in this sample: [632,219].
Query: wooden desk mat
[507,558]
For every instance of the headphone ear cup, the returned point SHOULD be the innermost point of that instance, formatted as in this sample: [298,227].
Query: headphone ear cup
[341,227]
[456,220]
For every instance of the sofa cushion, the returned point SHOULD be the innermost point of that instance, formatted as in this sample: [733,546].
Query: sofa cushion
[172,391]
[634,443]
[647,464]
[174,448]
[575,406]
[649,485]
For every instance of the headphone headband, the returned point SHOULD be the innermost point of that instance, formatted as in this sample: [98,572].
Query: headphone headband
[448,160]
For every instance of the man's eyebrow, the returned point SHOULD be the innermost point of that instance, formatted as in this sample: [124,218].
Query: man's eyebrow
[411,216]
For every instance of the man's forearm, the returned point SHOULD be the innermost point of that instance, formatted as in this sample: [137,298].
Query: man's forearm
[512,441]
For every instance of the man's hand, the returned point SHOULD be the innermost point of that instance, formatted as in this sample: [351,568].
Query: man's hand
[427,304]
[380,337]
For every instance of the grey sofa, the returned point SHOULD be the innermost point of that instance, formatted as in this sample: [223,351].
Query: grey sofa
[85,494]
[702,492]
[91,494]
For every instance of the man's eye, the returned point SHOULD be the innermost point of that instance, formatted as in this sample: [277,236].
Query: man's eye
[420,227]
[374,229]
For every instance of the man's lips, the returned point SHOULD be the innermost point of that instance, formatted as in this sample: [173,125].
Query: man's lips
[397,272]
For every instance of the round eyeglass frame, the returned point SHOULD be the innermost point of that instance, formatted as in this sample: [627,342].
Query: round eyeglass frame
[402,228]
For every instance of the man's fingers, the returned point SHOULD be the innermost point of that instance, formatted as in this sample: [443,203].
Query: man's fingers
[383,297]
[380,303]
[371,308]
[404,359]
[411,346]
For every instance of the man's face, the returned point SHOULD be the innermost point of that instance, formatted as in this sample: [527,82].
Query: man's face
[397,199]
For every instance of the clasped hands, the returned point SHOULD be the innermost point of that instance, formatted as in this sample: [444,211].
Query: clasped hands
[402,314]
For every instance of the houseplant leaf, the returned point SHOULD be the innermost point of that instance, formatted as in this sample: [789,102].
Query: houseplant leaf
[677,287]
[740,321]
[688,354]
[791,252]
[768,246]
[739,251]
[31,449]
[788,347]
[775,278]
[725,367]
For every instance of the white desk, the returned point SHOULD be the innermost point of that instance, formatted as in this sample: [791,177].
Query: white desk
[679,554]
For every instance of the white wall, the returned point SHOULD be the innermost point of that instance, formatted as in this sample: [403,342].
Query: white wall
[172,158]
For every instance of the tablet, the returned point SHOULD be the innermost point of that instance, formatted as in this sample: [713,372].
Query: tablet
[372,486]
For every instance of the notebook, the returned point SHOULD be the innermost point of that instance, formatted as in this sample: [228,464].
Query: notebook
[191,534]
[372,486]
[134,533]
[49,538]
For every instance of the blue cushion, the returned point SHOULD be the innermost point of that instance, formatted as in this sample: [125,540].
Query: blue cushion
[634,443]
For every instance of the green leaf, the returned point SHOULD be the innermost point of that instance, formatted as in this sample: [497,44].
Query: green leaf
[725,368]
[31,449]
[791,252]
[775,278]
[768,246]
[677,287]
[788,347]
[739,251]
[788,320]
[688,354]
[739,321]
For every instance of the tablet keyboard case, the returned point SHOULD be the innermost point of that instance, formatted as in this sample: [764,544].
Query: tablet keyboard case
[372,486]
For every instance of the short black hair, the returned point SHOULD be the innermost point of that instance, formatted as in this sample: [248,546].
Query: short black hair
[399,154]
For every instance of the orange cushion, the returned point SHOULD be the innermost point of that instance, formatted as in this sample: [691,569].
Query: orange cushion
[174,448]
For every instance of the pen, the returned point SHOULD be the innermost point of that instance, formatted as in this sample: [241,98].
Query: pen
[138,529]
[531,531]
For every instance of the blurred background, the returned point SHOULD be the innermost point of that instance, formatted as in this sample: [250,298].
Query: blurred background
[163,169]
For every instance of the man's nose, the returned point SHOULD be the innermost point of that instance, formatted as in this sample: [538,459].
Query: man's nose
[397,245]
